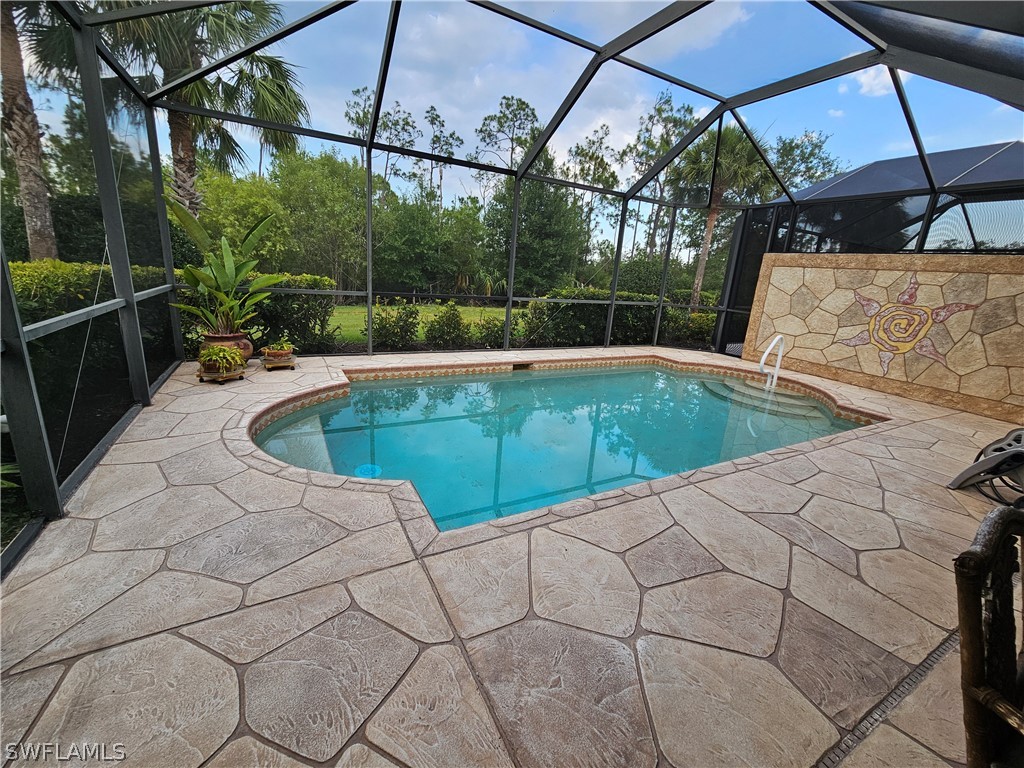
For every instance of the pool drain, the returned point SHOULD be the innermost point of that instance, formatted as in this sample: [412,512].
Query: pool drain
[369,470]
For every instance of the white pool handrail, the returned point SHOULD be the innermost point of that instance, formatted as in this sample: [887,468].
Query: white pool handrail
[774,376]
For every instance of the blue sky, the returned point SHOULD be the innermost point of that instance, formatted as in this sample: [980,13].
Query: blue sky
[462,59]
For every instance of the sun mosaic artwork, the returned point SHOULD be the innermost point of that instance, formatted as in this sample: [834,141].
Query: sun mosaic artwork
[916,326]
[896,328]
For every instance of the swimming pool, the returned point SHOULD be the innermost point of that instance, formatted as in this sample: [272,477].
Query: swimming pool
[482,447]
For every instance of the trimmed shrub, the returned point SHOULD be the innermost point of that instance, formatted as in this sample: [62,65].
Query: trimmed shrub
[583,325]
[533,328]
[707,298]
[634,325]
[77,410]
[575,325]
[49,288]
[447,329]
[683,328]
[489,331]
[306,319]
[395,326]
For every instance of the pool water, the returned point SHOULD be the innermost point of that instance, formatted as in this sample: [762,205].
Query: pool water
[483,447]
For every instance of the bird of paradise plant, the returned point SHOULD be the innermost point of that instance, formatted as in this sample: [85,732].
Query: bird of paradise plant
[222,279]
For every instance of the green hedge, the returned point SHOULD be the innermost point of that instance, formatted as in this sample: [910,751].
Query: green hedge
[707,298]
[489,332]
[49,288]
[396,325]
[447,329]
[683,328]
[583,325]
[77,409]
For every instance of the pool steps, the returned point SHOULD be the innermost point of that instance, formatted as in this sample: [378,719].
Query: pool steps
[776,402]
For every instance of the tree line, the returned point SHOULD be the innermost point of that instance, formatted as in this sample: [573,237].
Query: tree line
[424,238]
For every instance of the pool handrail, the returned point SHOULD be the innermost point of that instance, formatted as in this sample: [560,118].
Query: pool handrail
[773,377]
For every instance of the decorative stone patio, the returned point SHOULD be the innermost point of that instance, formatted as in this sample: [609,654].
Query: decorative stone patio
[204,604]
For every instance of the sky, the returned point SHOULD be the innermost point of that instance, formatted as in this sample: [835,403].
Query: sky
[461,59]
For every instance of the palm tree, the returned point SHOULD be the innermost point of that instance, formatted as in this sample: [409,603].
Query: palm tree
[22,135]
[740,170]
[259,85]
[171,45]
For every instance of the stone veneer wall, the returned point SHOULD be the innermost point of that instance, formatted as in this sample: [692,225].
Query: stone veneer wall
[945,329]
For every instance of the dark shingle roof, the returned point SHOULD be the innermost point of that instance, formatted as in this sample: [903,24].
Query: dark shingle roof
[993,165]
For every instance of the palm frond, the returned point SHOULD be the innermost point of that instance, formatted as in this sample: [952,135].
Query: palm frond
[225,151]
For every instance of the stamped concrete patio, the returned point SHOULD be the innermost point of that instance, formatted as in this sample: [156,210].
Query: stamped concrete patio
[204,604]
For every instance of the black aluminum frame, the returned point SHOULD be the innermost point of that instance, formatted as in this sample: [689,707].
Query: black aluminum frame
[28,432]
[33,452]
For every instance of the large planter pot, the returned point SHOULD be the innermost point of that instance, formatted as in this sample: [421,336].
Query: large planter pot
[239,340]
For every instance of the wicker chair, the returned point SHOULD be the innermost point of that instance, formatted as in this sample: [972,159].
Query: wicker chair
[992,667]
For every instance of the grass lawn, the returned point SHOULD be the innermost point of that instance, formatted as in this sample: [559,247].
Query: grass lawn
[348,322]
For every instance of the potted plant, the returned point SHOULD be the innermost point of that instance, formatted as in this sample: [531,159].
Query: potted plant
[279,349]
[219,363]
[222,282]
[279,354]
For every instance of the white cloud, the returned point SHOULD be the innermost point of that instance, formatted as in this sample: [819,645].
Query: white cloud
[462,60]
[843,88]
[701,113]
[836,113]
[875,81]
[605,21]
[617,99]
[600,22]
[698,32]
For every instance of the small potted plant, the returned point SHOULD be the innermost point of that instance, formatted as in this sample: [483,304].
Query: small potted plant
[222,282]
[279,354]
[219,364]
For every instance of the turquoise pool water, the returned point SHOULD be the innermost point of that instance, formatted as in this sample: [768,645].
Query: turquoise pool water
[488,446]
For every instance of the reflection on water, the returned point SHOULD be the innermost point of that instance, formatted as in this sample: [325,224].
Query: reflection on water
[497,445]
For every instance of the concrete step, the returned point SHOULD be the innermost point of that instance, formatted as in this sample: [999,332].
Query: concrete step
[776,403]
